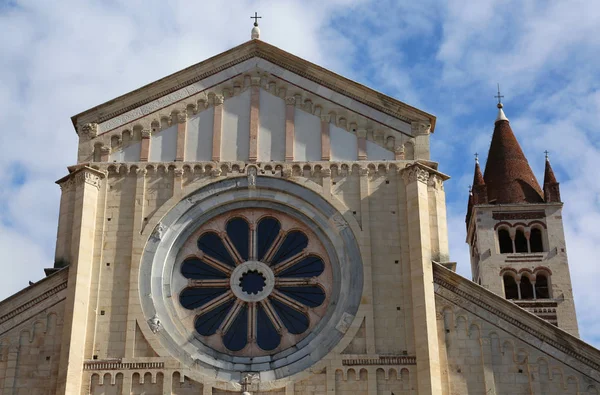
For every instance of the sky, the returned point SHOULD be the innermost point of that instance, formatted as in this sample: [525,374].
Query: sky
[445,57]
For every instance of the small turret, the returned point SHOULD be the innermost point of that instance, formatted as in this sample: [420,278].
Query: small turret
[551,186]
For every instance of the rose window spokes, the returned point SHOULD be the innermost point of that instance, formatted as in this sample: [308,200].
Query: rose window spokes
[255,285]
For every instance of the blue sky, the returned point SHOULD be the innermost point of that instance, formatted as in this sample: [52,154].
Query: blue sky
[445,57]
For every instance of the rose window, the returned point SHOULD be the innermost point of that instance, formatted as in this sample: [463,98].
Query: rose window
[255,281]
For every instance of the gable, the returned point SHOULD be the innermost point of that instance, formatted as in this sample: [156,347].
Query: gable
[504,349]
[361,128]
[239,60]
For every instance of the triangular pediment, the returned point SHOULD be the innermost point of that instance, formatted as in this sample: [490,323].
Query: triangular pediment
[246,58]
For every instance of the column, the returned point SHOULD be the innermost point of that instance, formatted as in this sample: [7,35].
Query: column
[420,130]
[181,132]
[217,128]
[104,153]
[145,148]
[362,144]
[440,227]
[72,354]
[254,118]
[421,274]
[290,113]
[325,139]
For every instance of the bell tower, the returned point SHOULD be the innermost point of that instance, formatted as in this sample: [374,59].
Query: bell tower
[515,232]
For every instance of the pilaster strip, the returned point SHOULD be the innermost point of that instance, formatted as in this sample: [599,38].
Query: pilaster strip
[181,135]
[325,139]
[362,144]
[254,118]
[290,111]
[145,149]
[217,128]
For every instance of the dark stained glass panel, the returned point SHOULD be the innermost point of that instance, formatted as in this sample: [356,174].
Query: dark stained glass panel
[312,296]
[211,244]
[236,336]
[239,234]
[192,298]
[311,266]
[267,231]
[208,323]
[195,269]
[267,336]
[293,244]
[295,321]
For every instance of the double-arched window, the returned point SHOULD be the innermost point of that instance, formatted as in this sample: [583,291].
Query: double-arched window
[526,286]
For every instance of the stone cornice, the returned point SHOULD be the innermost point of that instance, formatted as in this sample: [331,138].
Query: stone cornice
[420,172]
[275,169]
[248,50]
[81,174]
[33,295]
[469,295]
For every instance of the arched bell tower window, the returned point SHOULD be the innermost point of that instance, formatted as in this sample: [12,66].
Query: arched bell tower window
[511,290]
[526,288]
[505,241]
[541,286]
[535,240]
[520,241]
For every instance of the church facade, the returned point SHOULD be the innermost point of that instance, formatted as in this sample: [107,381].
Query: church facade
[256,223]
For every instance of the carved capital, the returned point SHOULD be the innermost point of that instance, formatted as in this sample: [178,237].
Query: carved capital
[104,150]
[219,100]
[89,130]
[178,172]
[255,81]
[325,118]
[415,173]
[146,134]
[326,172]
[182,116]
[86,177]
[361,133]
[436,182]
[420,128]
[290,100]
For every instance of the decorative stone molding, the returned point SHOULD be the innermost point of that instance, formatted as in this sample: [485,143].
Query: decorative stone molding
[387,360]
[182,116]
[219,99]
[158,232]
[325,118]
[290,100]
[146,133]
[154,324]
[345,323]
[255,81]
[361,133]
[420,128]
[89,130]
[33,302]
[339,221]
[118,365]
[415,173]
[178,172]
[436,182]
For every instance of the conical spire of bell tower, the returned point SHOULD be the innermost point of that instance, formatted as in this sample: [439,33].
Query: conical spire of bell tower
[551,186]
[508,176]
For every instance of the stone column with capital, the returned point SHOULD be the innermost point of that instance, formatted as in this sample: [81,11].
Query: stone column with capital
[420,130]
[421,275]
[145,148]
[181,134]
[217,128]
[325,138]
[254,118]
[362,144]
[290,113]
[86,183]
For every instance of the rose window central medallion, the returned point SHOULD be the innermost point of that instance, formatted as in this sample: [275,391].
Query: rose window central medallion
[255,282]
[252,282]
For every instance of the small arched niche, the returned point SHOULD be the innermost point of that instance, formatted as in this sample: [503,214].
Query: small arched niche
[511,290]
